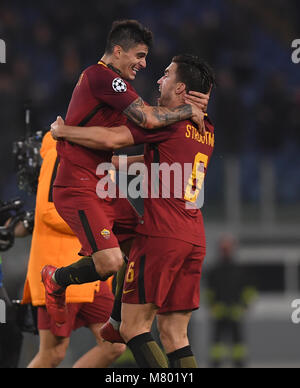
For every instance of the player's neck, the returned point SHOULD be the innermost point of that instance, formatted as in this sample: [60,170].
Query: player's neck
[175,102]
[109,61]
[106,59]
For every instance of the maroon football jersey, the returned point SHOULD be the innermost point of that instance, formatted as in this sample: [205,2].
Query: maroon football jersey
[175,215]
[97,84]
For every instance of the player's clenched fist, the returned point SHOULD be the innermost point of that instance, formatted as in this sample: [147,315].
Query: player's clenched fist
[56,128]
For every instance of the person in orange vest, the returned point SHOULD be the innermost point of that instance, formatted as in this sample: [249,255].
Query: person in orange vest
[89,305]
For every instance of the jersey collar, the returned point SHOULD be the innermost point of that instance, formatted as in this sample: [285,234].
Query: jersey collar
[110,66]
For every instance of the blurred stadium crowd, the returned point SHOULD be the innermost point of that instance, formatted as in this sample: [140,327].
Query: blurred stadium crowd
[256,107]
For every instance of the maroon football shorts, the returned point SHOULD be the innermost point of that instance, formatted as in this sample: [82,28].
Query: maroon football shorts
[165,272]
[80,314]
[98,224]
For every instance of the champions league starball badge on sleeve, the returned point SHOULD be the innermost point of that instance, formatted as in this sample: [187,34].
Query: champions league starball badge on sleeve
[119,85]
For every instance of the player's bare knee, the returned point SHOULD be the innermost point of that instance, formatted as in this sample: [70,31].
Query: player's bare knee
[163,327]
[171,339]
[57,355]
[169,333]
[118,349]
[165,337]
[108,263]
[102,270]
[113,351]
[124,332]
[127,332]
[117,262]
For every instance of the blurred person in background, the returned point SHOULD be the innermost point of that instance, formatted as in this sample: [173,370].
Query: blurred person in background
[229,113]
[89,305]
[11,337]
[229,295]
[275,99]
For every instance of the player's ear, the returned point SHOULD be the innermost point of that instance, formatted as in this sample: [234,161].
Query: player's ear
[117,51]
[180,88]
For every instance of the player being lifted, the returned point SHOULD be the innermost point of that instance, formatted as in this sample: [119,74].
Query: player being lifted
[102,96]
[164,270]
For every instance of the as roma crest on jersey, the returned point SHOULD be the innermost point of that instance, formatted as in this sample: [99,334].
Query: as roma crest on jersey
[105,233]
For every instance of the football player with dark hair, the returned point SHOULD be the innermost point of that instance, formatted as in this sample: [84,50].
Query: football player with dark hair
[103,97]
[164,269]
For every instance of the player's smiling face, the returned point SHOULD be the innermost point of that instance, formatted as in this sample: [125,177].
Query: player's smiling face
[132,61]
[167,85]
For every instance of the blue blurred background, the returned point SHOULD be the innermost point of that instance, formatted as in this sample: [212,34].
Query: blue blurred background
[252,189]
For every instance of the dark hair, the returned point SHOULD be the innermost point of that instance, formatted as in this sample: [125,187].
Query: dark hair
[127,34]
[196,74]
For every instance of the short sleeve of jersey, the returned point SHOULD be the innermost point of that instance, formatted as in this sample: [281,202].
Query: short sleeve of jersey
[110,88]
[143,136]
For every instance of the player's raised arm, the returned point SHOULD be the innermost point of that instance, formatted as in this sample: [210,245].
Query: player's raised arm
[153,117]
